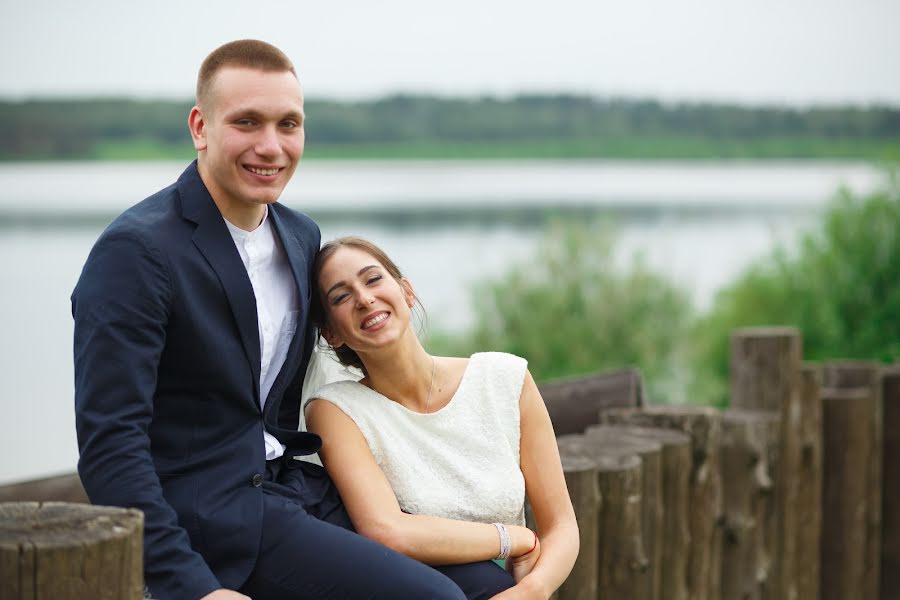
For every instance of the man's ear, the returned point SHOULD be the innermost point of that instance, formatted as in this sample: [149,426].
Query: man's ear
[408,291]
[197,125]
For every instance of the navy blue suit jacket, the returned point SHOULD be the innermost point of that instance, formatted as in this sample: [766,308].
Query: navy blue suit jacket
[167,363]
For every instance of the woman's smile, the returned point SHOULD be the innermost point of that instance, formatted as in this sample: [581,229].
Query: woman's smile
[376,321]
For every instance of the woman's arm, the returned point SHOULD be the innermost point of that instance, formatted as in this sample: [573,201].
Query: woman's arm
[545,485]
[374,509]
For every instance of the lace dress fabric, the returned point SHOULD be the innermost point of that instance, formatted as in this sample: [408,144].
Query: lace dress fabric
[460,462]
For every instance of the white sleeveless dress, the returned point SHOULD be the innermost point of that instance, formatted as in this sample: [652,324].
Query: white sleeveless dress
[460,462]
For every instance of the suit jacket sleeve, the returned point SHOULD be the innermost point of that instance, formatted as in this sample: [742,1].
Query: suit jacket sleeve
[121,305]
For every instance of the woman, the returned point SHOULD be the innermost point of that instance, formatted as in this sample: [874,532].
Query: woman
[433,455]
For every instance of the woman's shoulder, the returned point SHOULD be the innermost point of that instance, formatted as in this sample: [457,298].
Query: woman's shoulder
[499,360]
[496,373]
[339,392]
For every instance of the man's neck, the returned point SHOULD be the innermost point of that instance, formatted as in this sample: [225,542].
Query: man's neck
[244,215]
[243,220]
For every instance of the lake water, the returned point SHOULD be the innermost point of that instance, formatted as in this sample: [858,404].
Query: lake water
[447,224]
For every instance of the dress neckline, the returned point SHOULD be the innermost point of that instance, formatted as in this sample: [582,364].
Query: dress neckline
[462,383]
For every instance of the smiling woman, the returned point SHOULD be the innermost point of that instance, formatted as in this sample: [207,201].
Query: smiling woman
[433,456]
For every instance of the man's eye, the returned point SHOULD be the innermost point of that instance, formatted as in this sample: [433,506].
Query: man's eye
[245,122]
[290,124]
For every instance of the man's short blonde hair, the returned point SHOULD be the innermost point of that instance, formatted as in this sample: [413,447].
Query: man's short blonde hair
[251,54]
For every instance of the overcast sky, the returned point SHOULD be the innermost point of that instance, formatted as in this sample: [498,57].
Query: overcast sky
[772,51]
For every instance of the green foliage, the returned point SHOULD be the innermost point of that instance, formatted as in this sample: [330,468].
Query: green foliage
[570,310]
[840,286]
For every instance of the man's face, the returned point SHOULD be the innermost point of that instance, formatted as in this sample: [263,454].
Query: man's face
[249,136]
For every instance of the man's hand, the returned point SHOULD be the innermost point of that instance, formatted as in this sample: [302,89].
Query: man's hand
[224,594]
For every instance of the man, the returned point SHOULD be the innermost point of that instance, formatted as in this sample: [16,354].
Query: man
[192,339]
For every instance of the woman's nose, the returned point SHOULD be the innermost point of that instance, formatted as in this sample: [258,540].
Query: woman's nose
[364,299]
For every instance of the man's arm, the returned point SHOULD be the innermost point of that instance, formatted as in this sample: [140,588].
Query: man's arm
[121,306]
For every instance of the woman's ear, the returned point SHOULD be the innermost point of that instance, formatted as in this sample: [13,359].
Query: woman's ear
[333,340]
[408,292]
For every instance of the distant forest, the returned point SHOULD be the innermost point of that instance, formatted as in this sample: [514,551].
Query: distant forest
[527,126]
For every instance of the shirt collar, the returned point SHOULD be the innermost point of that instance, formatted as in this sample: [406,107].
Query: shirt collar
[243,234]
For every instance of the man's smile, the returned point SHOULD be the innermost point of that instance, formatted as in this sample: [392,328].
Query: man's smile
[269,171]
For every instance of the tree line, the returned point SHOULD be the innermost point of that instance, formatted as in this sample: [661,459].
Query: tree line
[80,128]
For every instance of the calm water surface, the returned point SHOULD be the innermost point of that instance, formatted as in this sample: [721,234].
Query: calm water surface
[698,223]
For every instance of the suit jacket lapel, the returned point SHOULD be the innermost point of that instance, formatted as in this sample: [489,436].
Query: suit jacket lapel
[215,243]
[300,271]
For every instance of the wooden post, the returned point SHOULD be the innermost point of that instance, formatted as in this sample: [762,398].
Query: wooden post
[807,487]
[581,479]
[766,365]
[702,425]
[621,563]
[573,403]
[890,502]
[674,543]
[745,451]
[847,439]
[849,374]
[59,551]
[60,488]
[651,492]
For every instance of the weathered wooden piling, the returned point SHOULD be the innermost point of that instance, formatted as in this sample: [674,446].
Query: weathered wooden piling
[651,493]
[746,449]
[60,551]
[766,374]
[702,425]
[850,374]
[59,488]
[846,416]
[573,403]
[622,563]
[890,501]
[806,490]
[581,479]
[673,546]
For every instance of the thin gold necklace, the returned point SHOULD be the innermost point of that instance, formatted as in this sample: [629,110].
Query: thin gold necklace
[430,387]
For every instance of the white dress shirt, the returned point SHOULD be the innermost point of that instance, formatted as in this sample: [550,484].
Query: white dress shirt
[277,305]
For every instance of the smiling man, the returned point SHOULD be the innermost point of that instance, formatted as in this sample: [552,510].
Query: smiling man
[191,343]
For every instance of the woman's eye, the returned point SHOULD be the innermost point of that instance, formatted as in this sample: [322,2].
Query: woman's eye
[338,299]
[373,279]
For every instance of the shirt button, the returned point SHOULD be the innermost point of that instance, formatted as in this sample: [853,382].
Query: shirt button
[257,480]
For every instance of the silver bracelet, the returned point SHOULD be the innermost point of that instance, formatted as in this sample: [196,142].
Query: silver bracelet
[504,541]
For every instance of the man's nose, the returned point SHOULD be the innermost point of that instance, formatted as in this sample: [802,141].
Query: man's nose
[268,143]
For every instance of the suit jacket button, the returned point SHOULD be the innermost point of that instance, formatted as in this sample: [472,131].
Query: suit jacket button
[257,480]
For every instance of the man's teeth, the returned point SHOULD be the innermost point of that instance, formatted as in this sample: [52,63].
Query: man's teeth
[375,320]
[262,171]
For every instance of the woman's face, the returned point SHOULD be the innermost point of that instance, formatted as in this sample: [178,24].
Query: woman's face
[366,307]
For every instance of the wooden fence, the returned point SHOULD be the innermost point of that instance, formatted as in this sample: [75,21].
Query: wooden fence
[792,493]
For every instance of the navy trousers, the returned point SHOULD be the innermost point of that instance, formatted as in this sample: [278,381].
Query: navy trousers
[310,550]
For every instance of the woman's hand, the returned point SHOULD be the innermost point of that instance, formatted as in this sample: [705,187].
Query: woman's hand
[520,566]
[525,589]
[521,540]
